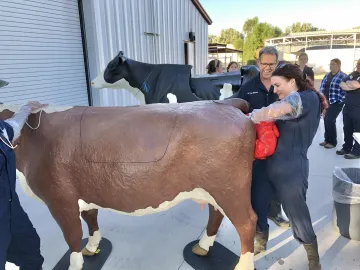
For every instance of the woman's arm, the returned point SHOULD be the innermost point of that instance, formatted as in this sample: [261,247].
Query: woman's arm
[18,120]
[286,109]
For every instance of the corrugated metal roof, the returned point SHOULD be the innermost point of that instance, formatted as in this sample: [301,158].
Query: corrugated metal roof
[314,33]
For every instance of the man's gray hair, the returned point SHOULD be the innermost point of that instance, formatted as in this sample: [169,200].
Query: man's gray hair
[269,50]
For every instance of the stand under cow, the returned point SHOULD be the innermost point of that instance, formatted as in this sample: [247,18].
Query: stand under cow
[140,160]
[153,83]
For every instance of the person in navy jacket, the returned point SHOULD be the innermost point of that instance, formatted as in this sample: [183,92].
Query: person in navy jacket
[259,92]
[19,241]
[297,117]
[351,114]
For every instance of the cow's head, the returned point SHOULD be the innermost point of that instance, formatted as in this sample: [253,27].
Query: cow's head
[117,69]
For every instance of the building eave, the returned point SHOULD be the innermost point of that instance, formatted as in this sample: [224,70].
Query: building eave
[202,11]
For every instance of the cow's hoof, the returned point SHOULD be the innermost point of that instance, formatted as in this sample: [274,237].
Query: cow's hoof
[199,250]
[86,252]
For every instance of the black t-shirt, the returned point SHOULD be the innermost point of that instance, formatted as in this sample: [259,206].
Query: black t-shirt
[309,72]
[352,97]
[255,92]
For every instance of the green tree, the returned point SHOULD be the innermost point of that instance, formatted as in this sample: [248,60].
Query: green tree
[232,36]
[256,37]
[212,39]
[228,36]
[301,27]
[250,24]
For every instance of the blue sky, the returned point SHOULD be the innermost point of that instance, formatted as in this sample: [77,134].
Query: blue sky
[328,14]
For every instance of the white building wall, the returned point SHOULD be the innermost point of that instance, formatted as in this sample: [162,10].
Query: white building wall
[41,52]
[320,59]
[112,26]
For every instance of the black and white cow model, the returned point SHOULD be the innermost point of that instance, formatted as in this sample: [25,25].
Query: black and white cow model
[165,83]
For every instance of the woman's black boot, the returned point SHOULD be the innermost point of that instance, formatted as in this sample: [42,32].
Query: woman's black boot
[313,255]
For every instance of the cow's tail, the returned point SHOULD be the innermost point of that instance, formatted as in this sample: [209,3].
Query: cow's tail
[238,103]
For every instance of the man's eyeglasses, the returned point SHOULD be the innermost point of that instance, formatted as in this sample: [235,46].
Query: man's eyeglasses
[270,65]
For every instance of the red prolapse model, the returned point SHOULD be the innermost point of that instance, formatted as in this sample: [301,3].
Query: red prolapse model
[266,139]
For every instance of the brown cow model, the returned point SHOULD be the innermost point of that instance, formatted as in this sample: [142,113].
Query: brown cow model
[140,160]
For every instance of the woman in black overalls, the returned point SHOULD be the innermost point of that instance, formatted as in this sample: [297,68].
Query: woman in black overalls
[297,116]
[19,242]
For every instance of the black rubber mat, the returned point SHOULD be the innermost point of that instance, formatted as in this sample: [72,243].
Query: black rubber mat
[218,258]
[95,262]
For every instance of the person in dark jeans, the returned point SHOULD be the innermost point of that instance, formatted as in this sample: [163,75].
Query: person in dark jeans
[351,114]
[297,116]
[330,87]
[259,92]
[19,240]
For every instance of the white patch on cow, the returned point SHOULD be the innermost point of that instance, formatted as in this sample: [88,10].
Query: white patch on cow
[100,83]
[48,110]
[246,262]
[94,242]
[25,186]
[76,261]
[207,241]
[198,194]
[11,266]
[226,91]
[172,98]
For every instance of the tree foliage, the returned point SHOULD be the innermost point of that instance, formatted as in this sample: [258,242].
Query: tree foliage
[213,39]
[250,24]
[301,27]
[256,36]
[255,33]
[229,36]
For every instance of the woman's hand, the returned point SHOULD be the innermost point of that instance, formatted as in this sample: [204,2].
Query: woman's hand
[34,105]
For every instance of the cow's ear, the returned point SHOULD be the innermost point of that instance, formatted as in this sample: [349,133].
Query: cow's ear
[121,56]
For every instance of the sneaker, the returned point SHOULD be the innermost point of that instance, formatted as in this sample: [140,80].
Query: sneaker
[351,156]
[342,152]
[329,146]
[323,144]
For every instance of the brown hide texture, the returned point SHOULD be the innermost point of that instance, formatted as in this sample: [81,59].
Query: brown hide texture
[129,158]
[118,140]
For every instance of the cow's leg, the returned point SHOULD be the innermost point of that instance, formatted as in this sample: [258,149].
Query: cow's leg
[90,218]
[208,238]
[67,216]
[244,219]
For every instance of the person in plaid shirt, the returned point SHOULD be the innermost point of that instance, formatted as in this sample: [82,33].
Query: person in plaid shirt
[330,87]
[351,114]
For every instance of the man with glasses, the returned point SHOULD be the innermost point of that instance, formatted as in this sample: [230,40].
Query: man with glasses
[351,114]
[260,93]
